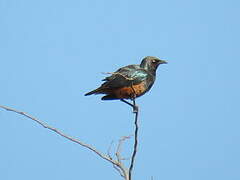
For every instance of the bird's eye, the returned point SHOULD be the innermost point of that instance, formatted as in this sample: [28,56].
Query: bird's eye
[154,61]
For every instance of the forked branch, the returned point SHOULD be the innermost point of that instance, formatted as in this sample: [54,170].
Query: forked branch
[122,170]
[117,162]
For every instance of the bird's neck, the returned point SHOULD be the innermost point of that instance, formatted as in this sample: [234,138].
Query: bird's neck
[151,70]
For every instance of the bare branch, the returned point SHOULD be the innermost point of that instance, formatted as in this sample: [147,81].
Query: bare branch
[119,170]
[63,135]
[116,164]
[119,148]
[109,150]
[135,110]
[135,142]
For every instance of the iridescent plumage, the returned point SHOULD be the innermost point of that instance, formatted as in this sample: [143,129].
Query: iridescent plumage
[130,81]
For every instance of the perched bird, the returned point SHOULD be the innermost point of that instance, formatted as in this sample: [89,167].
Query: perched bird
[130,81]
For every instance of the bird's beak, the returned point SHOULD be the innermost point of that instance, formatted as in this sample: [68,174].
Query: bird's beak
[162,62]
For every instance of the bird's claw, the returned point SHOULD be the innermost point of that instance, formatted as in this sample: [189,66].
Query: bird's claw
[135,109]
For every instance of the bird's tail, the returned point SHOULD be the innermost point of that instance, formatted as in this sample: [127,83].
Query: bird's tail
[91,92]
[96,91]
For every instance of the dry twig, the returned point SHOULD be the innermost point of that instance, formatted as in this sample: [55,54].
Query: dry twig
[135,144]
[117,164]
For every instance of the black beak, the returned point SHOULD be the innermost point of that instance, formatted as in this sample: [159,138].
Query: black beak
[162,62]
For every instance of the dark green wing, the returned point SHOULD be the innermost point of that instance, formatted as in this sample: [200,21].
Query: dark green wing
[126,76]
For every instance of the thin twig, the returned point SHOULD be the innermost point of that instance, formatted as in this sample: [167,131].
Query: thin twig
[117,165]
[110,157]
[120,171]
[119,148]
[109,150]
[62,134]
[135,144]
[119,158]
[135,110]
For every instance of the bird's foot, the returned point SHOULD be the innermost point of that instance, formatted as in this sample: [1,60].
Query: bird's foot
[135,109]
[134,106]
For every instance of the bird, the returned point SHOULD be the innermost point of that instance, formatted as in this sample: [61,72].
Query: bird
[130,82]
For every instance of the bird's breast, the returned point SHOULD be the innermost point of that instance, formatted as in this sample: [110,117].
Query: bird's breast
[131,91]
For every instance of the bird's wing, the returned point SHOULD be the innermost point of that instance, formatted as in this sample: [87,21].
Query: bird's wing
[122,70]
[126,76]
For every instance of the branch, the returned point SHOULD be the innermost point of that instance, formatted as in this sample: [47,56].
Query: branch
[122,171]
[135,110]
[135,144]
[63,135]
[119,148]
[117,164]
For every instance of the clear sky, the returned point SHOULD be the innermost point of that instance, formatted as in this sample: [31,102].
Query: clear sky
[52,52]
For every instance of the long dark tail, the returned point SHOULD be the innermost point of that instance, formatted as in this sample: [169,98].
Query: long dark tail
[99,90]
[92,92]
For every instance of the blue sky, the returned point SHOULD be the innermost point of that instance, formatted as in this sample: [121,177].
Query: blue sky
[53,52]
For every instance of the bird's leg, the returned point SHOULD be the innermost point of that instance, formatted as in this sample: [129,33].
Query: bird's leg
[123,100]
[135,107]
[133,97]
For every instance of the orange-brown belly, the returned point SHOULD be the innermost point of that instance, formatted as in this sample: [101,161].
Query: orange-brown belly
[130,92]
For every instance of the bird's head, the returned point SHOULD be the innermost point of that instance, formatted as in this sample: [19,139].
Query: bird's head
[151,63]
